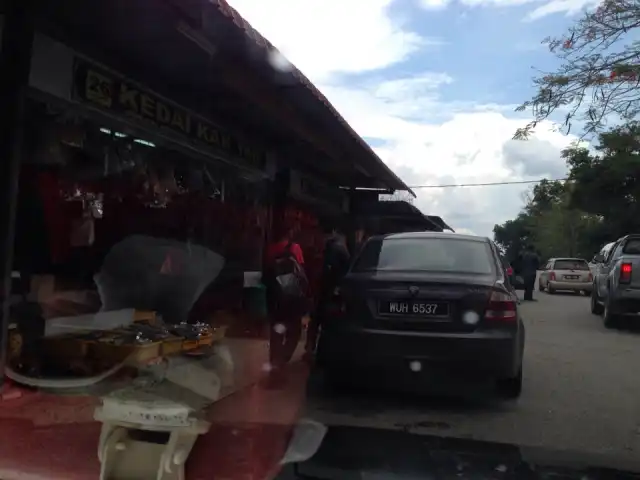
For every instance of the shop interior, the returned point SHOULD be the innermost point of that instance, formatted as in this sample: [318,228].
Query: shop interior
[127,251]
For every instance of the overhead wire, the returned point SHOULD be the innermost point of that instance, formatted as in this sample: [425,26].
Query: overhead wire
[490,184]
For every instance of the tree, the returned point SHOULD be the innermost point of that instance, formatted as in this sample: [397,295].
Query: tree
[598,204]
[607,185]
[551,223]
[544,195]
[561,230]
[599,75]
[513,236]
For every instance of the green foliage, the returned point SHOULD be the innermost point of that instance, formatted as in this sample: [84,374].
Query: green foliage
[608,184]
[599,74]
[513,236]
[598,204]
[599,79]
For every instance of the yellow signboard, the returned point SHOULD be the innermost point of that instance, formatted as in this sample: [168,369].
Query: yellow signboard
[108,91]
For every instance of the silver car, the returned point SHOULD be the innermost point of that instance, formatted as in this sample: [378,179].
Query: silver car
[571,274]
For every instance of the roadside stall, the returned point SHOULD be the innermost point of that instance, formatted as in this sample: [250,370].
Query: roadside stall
[119,238]
[111,224]
[397,216]
[163,136]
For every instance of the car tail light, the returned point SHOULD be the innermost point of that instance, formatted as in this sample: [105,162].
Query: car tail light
[625,272]
[501,307]
[552,276]
[509,271]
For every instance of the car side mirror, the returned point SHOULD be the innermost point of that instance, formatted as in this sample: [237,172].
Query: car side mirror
[599,258]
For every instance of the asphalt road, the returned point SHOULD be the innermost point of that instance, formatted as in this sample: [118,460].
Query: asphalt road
[581,391]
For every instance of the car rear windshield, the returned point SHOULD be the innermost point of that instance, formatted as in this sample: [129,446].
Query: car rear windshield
[426,254]
[632,246]
[571,264]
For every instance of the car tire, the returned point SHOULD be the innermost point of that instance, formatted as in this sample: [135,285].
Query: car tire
[596,306]
[585,293]
[510,388]
[540,287]
[550,290]
[611,320]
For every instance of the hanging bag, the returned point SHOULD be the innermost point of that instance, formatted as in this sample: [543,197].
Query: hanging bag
[289,280]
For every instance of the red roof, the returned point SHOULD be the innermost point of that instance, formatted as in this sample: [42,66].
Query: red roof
[254,35]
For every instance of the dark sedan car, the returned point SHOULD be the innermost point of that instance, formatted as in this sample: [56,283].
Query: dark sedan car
[426,302]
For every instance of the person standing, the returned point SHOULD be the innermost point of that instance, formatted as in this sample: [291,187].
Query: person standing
[361,236]
[530,265]
[287,285]
[334,267]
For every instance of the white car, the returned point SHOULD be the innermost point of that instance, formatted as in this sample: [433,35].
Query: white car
[572,274]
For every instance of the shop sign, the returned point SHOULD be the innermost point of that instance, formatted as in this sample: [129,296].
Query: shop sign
[107,91]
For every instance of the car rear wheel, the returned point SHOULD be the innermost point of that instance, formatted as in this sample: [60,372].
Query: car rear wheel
[511,388]
[550,290]
[540,287]
[611,320]
[596,306]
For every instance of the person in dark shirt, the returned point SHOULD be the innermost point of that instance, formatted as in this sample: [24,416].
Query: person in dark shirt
[335,265]
[529,266]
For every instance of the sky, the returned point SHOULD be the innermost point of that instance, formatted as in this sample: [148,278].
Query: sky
[432,85]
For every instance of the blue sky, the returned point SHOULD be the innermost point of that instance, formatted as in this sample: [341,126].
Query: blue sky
[432,85]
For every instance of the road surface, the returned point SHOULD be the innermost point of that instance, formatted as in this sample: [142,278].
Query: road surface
[581,391]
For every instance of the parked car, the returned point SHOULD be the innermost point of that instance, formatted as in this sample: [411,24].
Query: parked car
[571,274]
[616,283]
[425,301]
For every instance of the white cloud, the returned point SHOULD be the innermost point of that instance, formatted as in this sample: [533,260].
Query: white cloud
[569,7]
[426,140]
[466,231]
[543,8]
[326,37]
[434,4]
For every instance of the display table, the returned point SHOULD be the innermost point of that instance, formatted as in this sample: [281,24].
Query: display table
[53,436]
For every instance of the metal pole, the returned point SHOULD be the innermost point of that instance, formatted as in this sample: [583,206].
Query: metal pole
[15,63]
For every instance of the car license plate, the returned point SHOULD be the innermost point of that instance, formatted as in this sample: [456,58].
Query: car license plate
[414,308]
[571,277]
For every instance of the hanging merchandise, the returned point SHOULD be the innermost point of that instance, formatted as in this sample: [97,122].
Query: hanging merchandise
[162,180]
[193,180]
[118,156]
[54,141]
[215,186]
[83,228]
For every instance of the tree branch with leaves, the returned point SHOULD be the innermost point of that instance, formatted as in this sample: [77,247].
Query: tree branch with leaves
[599,75]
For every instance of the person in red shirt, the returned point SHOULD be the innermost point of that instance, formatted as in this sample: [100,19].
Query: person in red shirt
[278,247]
[285,317]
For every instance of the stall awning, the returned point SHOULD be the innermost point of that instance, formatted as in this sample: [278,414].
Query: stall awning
[203,55]
[440,222]
[399,213]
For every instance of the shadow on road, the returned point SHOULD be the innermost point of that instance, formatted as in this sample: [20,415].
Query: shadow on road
[366,399]
[562,293]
